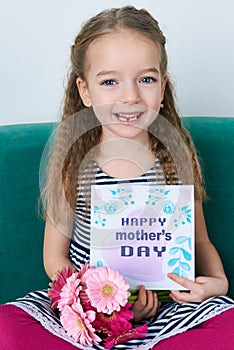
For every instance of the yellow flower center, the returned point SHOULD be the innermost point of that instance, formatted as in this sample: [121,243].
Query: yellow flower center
[107,290]
[80,323]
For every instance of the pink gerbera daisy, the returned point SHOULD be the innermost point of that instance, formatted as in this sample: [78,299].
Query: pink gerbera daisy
[83,269]
[70,291]
[57,285]
[106,289]
[104,323]
[77,323]
[122,332]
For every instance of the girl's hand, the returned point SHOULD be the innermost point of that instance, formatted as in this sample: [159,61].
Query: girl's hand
[200,290]
[146,305]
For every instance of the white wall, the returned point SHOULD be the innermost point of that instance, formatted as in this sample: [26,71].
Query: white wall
[35,39]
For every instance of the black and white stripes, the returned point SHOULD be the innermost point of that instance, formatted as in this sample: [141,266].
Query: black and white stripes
[81,233]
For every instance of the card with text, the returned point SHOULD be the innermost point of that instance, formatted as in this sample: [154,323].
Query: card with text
[144,231]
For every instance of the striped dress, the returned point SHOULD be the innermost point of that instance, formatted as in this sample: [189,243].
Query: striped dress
[171,318]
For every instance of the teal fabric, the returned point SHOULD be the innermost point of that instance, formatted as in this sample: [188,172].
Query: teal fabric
[214,140]
[21,228]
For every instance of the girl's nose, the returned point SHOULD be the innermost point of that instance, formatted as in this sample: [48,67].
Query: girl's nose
[130,94]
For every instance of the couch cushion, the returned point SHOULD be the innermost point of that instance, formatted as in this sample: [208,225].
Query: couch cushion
[214,140]
[21,266]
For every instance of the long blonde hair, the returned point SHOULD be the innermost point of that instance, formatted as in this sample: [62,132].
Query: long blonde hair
[107,21]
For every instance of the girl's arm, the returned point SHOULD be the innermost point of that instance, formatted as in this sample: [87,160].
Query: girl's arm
[212,280]
[56,250]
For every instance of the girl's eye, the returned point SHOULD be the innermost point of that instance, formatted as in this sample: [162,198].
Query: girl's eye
[147,80]
[108,82]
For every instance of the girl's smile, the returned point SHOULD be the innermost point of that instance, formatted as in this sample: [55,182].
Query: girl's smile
[128,114]
[128,117]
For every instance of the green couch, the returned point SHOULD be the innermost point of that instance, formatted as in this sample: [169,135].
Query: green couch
[21,228]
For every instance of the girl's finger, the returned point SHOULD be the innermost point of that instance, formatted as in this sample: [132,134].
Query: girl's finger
[142,296]
[182,281]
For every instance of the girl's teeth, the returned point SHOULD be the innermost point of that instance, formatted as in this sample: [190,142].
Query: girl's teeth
[124,117]
[127,118]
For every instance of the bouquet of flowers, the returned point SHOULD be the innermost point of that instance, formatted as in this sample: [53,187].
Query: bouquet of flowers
[94,307]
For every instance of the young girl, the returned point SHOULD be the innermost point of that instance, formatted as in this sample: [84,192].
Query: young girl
[119,84]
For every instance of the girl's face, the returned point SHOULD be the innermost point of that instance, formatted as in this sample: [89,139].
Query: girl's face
[123,83]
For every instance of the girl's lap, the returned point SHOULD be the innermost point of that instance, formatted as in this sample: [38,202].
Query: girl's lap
[20,331]
[216,333]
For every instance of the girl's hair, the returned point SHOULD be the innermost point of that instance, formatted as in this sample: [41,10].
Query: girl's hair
[107,21]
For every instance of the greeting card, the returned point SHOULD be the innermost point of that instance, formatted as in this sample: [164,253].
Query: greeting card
[144,231]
